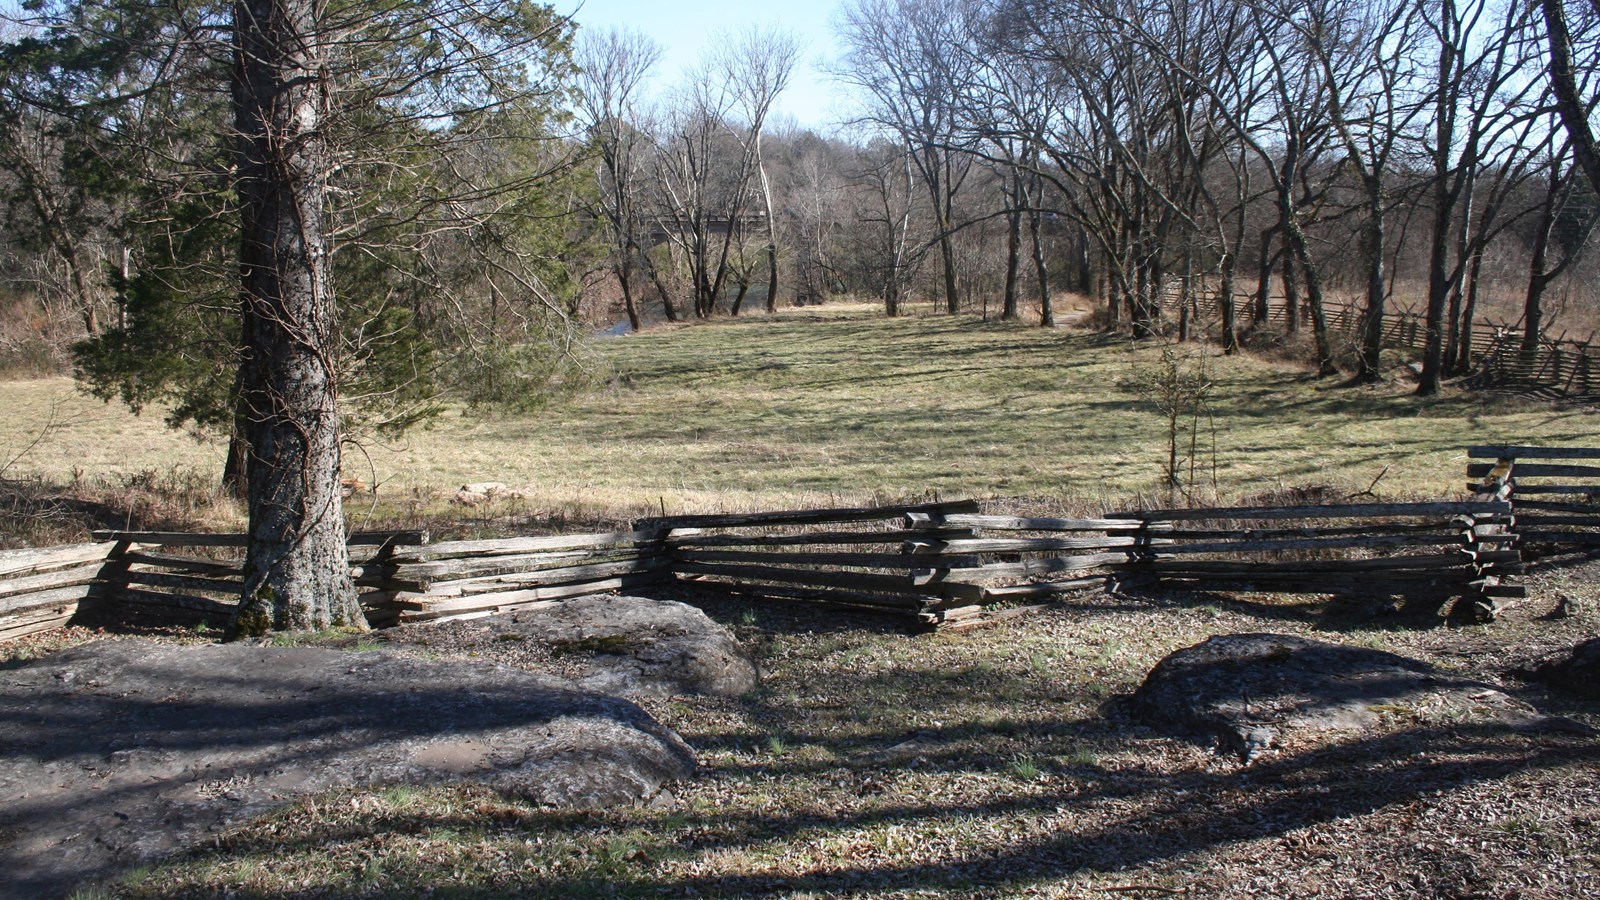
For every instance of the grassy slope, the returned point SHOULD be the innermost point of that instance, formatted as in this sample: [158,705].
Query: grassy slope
[835,404]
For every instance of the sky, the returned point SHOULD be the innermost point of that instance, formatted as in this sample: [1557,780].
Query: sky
[686,29]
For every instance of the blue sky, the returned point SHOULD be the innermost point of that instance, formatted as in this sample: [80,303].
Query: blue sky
[685,29]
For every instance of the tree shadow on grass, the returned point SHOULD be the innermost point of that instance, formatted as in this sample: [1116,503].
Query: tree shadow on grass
[1083,822]
[1340,610]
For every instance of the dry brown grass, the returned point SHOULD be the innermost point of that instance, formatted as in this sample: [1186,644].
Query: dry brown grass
[835,405]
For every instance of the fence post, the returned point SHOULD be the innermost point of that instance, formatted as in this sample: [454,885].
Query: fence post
[112,579]
[1491,541]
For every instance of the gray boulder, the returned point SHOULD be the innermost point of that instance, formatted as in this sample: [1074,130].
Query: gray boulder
[1250,691]
[121,751]
[1577,672]
[638,647]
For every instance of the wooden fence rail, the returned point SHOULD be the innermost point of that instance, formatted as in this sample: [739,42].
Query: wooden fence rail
[942,564]
[1560,368]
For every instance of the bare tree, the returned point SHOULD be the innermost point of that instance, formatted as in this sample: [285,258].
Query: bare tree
[886,185]
[1478,104]
[902,56]
[699,183]
[613,66]
[758,65]
[1576,109]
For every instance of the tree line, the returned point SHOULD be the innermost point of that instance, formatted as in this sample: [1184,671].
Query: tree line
[1278,151]
[1251,141]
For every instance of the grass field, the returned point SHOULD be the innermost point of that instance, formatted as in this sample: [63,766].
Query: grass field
[835,404]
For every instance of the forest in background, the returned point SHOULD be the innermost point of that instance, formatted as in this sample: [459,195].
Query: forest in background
[1281,153]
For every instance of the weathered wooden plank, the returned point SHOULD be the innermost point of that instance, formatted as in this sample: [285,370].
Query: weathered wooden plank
[185,604]
[815,538]
[529,545]
[1029,545]
[1482,537]
[1345,511]
[44,581]
[998,571]
[1578,489]
[425,573]
[1455,527]
[535,578]
[1020,523]
[386,538]
[954,614]
[426,603]
[1526,521]
[1536,470]
[1572,538]
[1522,451]
[993,617]
[205,539]
[31,560]
[864,582]
[19,603]
[1555,506]
[1433,561]
[877,604]
[1409,583]
[1458,574]
[807,516]
[856,560]
[184,582]
[11,629]
[475,566]
[192,565]
[1043,588]
[1346,542]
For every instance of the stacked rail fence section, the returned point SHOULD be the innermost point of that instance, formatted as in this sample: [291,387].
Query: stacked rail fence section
[941,565]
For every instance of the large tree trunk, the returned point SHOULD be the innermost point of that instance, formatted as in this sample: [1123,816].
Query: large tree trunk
[1014,202]
[624,270]
[772,235]
[297,568]
[1261,309]
[1369,359]
[1539,277]
[947,255]
[1563,82]
[1047,312]
[1298,244]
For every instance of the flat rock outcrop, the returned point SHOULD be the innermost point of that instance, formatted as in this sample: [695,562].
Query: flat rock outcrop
[1250,691]
[633,647]
[120,751]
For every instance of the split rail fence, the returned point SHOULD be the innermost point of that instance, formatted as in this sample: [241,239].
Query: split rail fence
[942,565]
[1558,368]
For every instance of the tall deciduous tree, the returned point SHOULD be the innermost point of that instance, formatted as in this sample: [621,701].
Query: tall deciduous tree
[613,66]
[1575,107]
[758,65]
[903,56]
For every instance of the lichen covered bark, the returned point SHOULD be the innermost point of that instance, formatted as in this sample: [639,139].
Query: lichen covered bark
[297,570]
